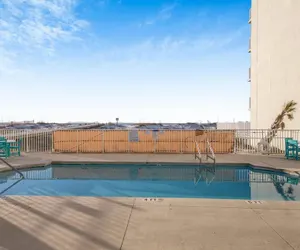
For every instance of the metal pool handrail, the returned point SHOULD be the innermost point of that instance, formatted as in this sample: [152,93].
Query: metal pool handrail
[211,151]
[12,167]
[199,156]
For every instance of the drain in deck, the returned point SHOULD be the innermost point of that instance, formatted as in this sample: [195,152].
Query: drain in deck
[255,202]
[153,199]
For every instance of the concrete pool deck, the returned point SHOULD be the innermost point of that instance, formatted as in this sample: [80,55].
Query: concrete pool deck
[42,159]
[55,223]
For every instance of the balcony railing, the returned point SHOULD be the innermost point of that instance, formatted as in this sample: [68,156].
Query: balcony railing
[249,103]
[249,75]
[249,49]
[250,16]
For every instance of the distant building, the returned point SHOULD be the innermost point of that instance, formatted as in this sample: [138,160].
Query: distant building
[234,125]
[274,74]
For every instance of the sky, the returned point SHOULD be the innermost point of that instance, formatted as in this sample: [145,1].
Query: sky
[139,60]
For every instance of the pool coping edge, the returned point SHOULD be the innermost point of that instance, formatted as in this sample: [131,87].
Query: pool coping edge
[49,162]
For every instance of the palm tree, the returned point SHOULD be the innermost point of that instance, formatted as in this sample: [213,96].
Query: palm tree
[288,111]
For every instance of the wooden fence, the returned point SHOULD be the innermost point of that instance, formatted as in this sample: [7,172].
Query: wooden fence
[141,141]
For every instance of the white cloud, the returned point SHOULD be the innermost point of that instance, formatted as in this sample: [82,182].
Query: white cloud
[31,25]
[101,2]
[81,24]
[174,48]
[164,13]
[6,61]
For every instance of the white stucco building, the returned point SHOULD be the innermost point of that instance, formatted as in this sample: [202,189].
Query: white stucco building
[274,47]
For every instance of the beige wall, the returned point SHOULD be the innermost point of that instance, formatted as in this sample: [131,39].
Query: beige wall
[275,60]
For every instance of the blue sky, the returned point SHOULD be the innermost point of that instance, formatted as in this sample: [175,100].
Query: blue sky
[140,60]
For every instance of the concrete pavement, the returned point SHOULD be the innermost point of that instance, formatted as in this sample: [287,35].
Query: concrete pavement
[127,223]
[52,223]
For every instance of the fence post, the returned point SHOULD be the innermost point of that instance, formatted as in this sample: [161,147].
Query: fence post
[262,147]
[234,141]
[27,141]
[181,132]
[52,140]
[126,148]
[103,145]
[154,138]
[77,141]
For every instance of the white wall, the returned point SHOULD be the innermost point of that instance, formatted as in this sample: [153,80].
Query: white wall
[275,60]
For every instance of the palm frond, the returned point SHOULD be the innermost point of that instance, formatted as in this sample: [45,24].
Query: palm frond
[291,110]
[288,111]
[290,116]
[291,105]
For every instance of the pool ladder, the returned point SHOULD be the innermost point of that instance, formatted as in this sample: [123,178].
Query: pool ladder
[198,152]
[209,152]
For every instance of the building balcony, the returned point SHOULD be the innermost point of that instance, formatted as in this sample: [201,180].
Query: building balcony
[249,49]
[249,104]
[249,75]
[250,18]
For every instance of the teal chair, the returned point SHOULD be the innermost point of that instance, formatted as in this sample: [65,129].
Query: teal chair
[287,146]
[15,148]
[292,149]
[4,148]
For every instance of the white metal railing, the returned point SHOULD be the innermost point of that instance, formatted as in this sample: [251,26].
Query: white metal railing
[210,152]
[39,140]
[198,152]
[166,141]
[248,141]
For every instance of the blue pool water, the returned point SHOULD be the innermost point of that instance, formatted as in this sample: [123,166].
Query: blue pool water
[220,182]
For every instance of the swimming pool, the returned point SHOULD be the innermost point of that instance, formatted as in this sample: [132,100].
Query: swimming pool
[152,180]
